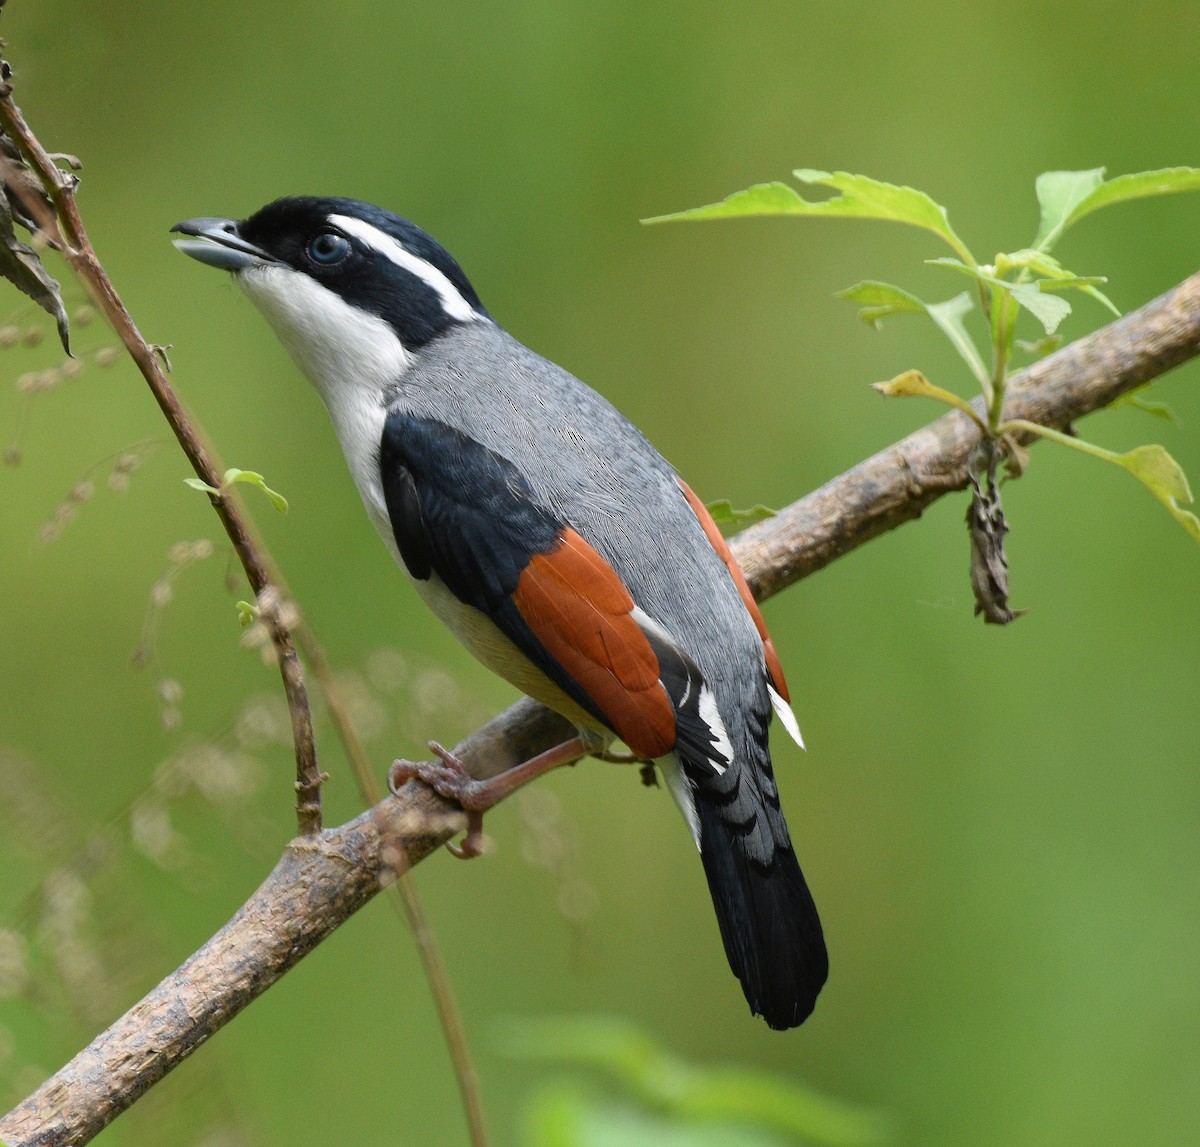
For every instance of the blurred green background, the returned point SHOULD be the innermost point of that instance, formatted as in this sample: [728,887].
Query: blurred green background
[999,826]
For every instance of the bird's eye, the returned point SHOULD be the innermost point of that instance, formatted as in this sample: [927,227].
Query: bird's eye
[328,248]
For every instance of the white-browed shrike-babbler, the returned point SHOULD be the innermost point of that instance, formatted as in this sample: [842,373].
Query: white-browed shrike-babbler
[544,529]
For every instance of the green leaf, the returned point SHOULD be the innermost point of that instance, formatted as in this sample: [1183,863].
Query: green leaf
[1059,194]
[562,1114]
[1073,283]
[247,614]
[1165,479]
[949,317]
[913,384]
[1148,406]
[1049,310]
[860,198]
[730,521]
[1054,276]
[879,300]
[250,478]
[1151,465]
[1039,348]
[1067,196]
[760,199]
[1085,283]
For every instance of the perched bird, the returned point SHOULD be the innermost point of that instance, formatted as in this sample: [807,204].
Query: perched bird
[553,539]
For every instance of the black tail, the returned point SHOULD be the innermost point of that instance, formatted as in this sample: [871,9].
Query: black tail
[768,921]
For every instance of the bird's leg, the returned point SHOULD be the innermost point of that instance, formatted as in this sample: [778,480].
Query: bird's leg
[448,777]
[613,756]
[645,767]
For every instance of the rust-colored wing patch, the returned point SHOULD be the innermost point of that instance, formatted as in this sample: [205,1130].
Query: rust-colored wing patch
[576,605]
[774,666]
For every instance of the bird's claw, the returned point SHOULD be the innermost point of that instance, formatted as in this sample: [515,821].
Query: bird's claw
[472,843]
[448,777]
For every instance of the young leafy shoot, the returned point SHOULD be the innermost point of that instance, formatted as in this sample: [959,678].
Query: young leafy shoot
[249,477]
[1049,310]
[1027,279]
[730,521]
[1054,277]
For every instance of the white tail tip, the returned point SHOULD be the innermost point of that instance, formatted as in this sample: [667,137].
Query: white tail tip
[784,712]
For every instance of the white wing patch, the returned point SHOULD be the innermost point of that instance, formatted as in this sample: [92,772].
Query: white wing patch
[706,703]
[788,719]
[652,627]
[452,300]
[711,716]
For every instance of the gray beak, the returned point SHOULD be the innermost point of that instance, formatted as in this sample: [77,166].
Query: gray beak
[218,244]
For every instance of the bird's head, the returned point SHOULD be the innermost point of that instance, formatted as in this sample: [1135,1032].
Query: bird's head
[345,285]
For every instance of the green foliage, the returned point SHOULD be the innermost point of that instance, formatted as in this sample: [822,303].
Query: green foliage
[247,613]
[1151,465]
[860,198]
[680,1103]
[564,1115]
[1146,406]
[730,520]
[882,299]
[1066,197]
[250,478]
[1027,280]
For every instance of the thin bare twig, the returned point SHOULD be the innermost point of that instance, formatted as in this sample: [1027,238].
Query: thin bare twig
[406,898]
[71,238]
[68,232]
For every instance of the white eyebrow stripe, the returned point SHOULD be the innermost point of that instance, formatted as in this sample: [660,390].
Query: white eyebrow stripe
[452,299]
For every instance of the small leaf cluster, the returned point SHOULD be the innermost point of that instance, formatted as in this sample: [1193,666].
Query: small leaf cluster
[1029,280]
[249,477]
[731,520]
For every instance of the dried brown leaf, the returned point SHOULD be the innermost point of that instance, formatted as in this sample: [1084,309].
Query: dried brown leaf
[987,527]
[19,263]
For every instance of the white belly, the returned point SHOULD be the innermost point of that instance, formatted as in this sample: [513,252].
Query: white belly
[489,646]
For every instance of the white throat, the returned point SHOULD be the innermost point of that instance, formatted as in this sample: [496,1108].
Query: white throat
[351,357]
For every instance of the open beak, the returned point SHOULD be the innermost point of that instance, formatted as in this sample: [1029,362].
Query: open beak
[217,243]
